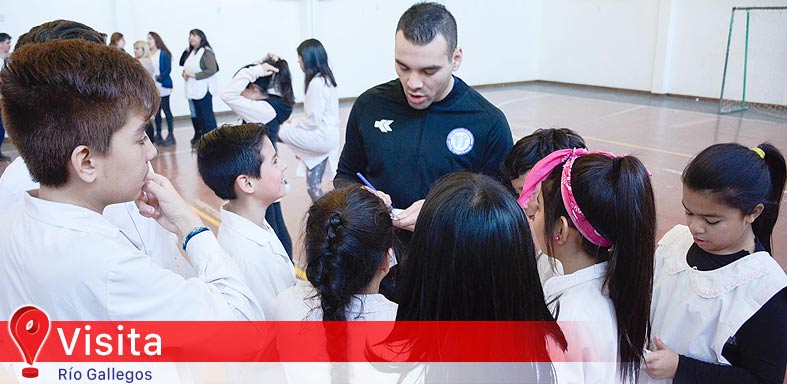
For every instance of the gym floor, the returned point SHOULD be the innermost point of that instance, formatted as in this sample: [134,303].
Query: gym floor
[663,131]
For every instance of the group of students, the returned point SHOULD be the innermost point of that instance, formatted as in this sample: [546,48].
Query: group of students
[578,246]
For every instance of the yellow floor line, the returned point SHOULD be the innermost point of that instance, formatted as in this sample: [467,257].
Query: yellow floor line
[205,216]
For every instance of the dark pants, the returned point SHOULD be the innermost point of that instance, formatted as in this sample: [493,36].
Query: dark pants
[167,113]
[275,219]
[205,117]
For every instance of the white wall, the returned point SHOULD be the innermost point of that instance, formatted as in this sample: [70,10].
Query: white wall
[358,34]
[604,42]
[662,46]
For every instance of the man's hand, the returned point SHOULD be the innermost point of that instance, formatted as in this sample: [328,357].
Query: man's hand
[382,195]
[407,218]
[661,363]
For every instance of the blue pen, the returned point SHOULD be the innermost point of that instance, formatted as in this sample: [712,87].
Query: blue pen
[368,184]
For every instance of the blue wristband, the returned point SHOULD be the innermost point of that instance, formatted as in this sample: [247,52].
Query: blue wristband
[193,233]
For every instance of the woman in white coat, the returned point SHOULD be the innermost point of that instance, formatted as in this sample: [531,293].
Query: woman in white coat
[314,137]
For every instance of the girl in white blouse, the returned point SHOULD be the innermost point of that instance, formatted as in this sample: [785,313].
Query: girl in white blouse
[314,137]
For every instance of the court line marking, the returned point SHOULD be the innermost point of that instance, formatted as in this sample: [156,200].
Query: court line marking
[518,99]
[644,148]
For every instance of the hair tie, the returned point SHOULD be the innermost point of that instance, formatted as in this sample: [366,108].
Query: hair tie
[759,152]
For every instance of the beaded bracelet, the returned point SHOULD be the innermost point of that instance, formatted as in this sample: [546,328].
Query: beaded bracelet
[193,233]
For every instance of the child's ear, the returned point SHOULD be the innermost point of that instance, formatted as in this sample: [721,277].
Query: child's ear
[244,184]
[388,261]
[756,212]
[84,164]
[562,230]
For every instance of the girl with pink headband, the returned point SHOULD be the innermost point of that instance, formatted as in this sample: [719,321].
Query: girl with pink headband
[596,214]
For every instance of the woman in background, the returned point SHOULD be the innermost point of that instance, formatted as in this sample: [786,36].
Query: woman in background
[199,68]
[161,58]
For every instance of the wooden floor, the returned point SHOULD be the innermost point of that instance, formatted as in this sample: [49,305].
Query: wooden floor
[664,132]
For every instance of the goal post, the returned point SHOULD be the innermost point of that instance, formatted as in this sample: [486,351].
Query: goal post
[755,61]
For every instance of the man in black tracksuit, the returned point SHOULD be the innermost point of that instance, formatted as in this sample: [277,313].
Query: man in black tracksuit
[405,134]
[402,150]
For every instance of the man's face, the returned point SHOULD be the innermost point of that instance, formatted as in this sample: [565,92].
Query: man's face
[5,46]
[125,166]
[425,71]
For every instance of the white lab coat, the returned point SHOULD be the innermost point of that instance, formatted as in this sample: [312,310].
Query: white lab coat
[144,233]
[695,312]
[76,265]
[298,303]
[257,111]
[545,270]
[260,256]
[581,298]
[315,136]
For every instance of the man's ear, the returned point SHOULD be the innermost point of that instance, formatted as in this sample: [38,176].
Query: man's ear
[456,59]
[244,183]
[84,164]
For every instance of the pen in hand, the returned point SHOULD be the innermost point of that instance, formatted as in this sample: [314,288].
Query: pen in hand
[368,184]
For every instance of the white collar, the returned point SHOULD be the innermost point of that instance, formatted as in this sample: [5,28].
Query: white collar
[560,283]
[261,234]
[68,216]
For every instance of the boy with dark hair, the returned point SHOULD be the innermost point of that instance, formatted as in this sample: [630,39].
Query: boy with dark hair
[528,151]
[534,147]
[240,164]
[77,112]
[144,233]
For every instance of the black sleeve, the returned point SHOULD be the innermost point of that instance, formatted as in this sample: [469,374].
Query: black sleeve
[353,157]
[760,350]
[183,57]
[499,144]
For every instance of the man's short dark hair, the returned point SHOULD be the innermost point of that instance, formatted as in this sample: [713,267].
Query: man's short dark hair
[60,30]
[422,22]
[4,36]
[66,93]
[232,150]
[536,146]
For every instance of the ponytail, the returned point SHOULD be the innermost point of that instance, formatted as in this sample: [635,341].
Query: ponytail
[348,234]
[616,197]
[763,226]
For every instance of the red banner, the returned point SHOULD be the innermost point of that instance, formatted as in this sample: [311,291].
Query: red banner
[301,341]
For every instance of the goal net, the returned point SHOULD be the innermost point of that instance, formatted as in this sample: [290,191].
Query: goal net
[755,64]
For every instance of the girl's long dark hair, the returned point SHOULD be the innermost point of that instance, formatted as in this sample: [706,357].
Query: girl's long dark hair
[315,62]
[348,234]
[739,178]
[282,80]
[203,40]
[617,199]
[159,42]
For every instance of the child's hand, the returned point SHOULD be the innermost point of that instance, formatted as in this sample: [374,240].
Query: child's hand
[661,363]
[161,202]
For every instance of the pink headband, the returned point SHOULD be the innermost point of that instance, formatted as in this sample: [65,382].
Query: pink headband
[543,168]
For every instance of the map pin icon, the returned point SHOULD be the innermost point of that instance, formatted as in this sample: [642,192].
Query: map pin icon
[29,326]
